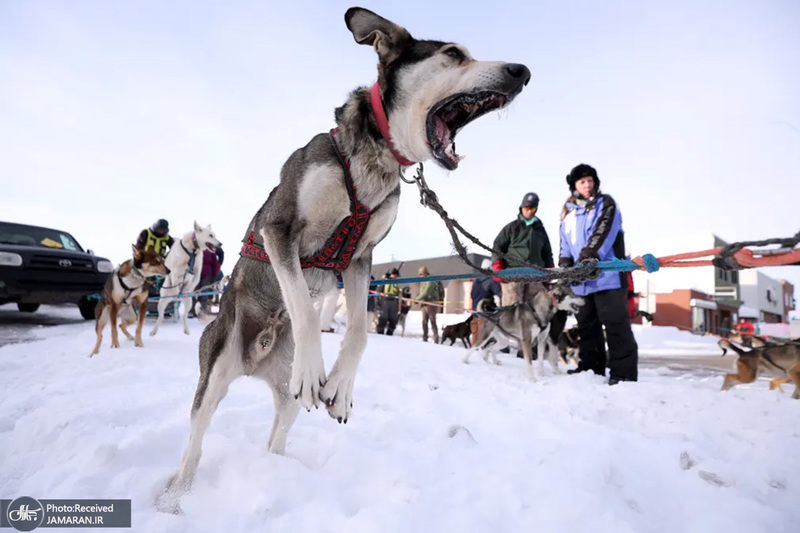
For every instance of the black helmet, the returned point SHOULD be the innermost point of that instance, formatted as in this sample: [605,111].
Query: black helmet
[581,171]
[530,200]
[161,226]
[395,272]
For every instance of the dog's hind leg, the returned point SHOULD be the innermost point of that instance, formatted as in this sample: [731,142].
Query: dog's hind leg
[338,391]
[272,350]
[277,372]
[220,365]
[163,302]
[124,327]
[112,318]
[794,373]
[187,306]
[102,318]
[286,409]
[776,383]
[493,355]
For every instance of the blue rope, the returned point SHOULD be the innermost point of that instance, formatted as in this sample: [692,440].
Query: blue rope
[177,296]
[651,264]
[617,265]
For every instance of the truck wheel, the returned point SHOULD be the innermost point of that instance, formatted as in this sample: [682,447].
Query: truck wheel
[27,308]
[86,306]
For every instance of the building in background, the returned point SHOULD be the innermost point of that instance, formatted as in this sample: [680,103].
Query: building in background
[699,299]
[764,294]
[788,298]
[707,299]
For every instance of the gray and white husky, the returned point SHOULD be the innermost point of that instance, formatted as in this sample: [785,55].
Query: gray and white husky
[185,264]
[526,324]
[267,327]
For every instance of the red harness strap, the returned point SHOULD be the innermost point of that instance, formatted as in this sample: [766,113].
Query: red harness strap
[339,248]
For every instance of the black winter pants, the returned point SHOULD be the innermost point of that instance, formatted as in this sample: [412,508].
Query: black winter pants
[389,315]
[609,309]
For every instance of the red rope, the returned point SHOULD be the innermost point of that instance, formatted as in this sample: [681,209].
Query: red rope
[746,258]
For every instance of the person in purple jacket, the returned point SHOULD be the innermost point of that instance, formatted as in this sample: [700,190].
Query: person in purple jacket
[591,228]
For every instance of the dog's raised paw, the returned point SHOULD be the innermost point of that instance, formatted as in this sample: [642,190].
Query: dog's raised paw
[307,381]
[337,394]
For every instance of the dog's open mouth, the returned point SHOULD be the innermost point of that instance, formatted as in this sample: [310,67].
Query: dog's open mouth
[447,118]
[211,247]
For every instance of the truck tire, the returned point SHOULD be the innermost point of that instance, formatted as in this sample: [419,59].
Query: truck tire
[28,308]
[86,306]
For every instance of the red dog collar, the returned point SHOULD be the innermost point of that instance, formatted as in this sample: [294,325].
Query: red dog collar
[383,123]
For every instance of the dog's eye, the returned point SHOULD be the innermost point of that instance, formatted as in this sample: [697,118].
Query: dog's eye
[456,54]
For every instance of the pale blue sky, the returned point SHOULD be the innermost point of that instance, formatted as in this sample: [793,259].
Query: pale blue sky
[113,114]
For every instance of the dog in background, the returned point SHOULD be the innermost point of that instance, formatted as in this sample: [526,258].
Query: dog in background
[405,307]
[549,304]
[568,345]
[486,305]
[781,360]
[528,324]
[128,284]
[185,262]
[461,330]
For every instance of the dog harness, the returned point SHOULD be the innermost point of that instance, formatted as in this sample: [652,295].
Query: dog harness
[339,248]
[129,290]
[195,246]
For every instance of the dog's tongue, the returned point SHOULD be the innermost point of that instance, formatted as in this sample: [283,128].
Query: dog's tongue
[442,131]
[443,134]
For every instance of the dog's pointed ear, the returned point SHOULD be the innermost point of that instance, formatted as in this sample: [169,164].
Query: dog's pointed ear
[137,254]
[387,38]
[197,227]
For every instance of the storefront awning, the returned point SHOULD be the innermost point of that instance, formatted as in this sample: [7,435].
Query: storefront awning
[703,304]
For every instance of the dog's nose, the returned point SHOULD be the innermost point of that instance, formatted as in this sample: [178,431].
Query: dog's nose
[518,71]
[167,270]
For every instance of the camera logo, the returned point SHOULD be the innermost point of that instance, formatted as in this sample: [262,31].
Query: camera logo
[25,514]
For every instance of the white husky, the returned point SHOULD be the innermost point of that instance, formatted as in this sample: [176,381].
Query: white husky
[184,275]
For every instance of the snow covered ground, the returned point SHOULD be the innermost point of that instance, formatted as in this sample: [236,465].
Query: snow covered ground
[433,445]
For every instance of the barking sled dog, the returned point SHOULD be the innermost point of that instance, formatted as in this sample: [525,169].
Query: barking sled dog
[337,198]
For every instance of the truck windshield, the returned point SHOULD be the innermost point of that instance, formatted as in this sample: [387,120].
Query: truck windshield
[20,235]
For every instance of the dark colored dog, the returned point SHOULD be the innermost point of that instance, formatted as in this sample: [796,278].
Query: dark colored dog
[458,331]
[568,345]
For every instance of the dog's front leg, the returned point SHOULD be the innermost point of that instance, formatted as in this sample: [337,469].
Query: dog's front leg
[163,302]
[526,349]
[541,348]
[338,391]
[553,355]
[112,316]
[141,301]
[308,368]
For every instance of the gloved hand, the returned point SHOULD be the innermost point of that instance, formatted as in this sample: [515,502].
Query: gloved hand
[498,265]
[565,262]
[587,254]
